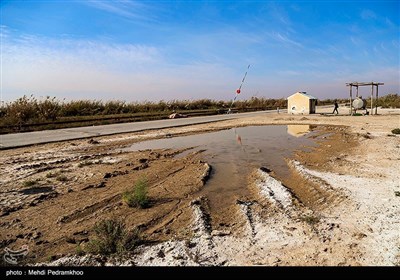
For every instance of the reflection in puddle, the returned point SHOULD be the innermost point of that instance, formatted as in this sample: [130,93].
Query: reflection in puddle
[234,153]
[298,130]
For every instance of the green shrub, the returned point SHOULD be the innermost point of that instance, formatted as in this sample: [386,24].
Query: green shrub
[137,197]
[396,131]
[51,258]
[30,183]
[111,236]
[62,178]
[79,250]
[309,219]
[391,100]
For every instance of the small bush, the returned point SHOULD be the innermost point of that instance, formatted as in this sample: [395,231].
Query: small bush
[79,250]
[49,109]
[51,258]
[396,131]
[62,178]
[112,237]
[389,101]
[137,197]
[309,219]
[51,175]
[30,183]
[22,111]
[397,193]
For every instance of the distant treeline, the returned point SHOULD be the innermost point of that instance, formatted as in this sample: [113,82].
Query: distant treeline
[30,110]
[388,101]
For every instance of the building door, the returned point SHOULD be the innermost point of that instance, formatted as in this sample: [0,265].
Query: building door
[312,106]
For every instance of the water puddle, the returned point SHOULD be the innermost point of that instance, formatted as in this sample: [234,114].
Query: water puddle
[235,152]
[298,130]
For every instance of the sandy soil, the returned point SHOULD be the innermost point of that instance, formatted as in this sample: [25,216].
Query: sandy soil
[338,207]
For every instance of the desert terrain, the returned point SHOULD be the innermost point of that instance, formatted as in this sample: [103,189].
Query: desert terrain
[339,205]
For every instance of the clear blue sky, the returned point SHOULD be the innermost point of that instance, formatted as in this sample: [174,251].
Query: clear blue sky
[152,50]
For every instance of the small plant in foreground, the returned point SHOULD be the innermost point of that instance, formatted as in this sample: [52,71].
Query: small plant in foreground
[30,183]
[111,236]
[79,250]
[309,219]
[396,131]
[51,175]
[397,193]
[137,197]
[62,178]
[51,258]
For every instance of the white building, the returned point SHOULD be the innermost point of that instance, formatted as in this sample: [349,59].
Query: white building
[301,103]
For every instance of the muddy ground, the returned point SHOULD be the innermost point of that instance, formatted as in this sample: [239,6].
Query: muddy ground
[339,206]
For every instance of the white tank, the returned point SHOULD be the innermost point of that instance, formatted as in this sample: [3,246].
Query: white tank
[359,103]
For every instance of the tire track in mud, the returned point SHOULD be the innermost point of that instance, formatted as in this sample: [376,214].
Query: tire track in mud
[162,216]
[318,227]
[209,247]
[314,192]
[89,210]
[39,165]
[202,215]
[285,198]
[168,214]
[245,208]
[180,207]
[108,202]
[288,205]
[271,188]
[305,190]
[203,248]
[284,203]
[273,200]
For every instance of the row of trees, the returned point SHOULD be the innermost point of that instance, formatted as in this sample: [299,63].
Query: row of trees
[28,109]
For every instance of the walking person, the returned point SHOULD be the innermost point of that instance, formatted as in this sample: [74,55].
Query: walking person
[336,108]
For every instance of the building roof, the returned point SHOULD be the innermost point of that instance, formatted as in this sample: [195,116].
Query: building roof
[304,94]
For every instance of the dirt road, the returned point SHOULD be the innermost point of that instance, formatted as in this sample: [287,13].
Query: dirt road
[16,140]
[339,206]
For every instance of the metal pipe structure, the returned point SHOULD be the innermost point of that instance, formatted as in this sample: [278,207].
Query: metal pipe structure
[358,84]
[238,90]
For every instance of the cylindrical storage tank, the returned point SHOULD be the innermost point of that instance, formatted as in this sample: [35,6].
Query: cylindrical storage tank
[359,103]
